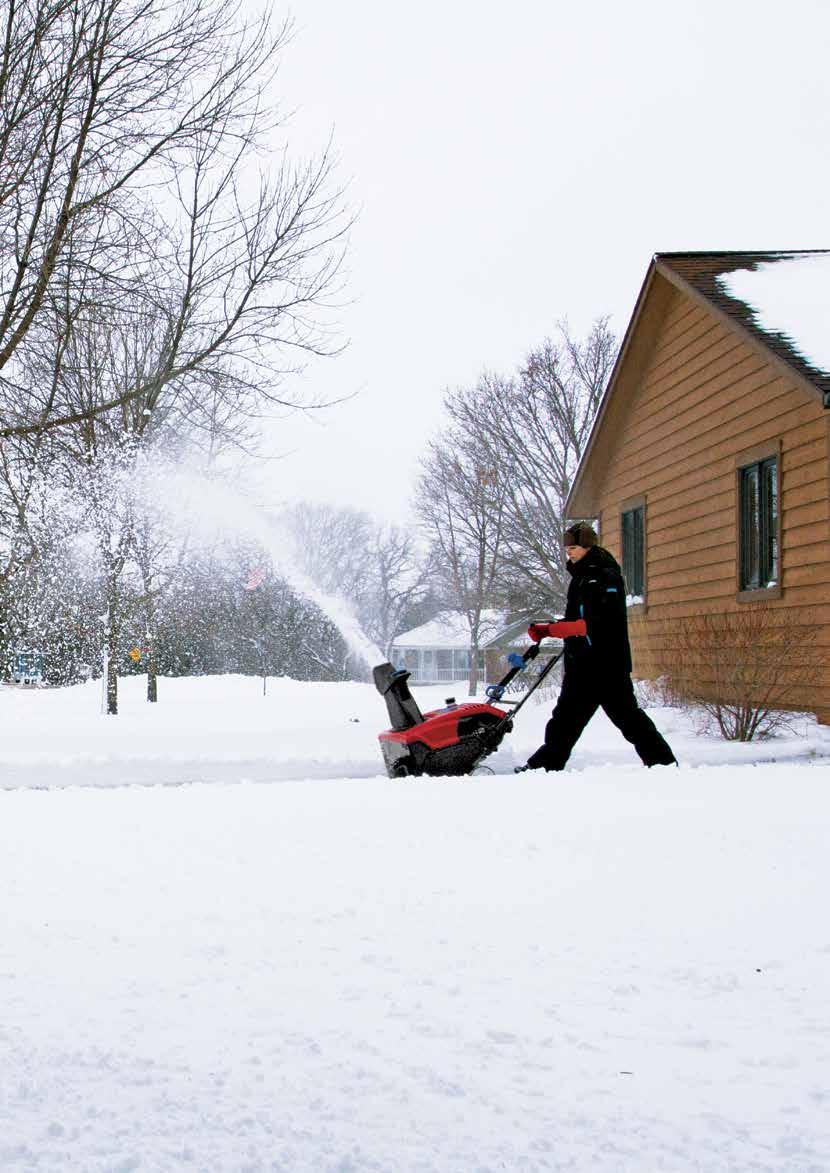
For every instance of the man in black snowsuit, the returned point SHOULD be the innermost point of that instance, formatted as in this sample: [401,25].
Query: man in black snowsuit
[597,666]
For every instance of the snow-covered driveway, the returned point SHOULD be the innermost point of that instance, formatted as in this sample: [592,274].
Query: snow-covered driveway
[616,970]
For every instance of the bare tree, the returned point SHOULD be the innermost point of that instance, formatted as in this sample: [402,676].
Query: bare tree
[97,99]
[400,582]
[129,141]
[461,504]
[155,280]
[529,433]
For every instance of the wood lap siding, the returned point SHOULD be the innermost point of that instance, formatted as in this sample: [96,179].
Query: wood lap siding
[703,396]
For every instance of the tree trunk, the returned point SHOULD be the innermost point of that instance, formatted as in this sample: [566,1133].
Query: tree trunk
[152,669]
[111,637]
[473,689]
[150,645]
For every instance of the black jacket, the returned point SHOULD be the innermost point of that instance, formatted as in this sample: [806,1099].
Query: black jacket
[597,595]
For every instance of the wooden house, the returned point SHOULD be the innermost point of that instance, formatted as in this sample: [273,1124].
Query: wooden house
[708,468]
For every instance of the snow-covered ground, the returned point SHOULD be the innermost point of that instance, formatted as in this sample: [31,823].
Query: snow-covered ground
[610,970]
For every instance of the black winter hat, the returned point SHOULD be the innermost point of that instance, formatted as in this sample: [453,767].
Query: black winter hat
[581,533]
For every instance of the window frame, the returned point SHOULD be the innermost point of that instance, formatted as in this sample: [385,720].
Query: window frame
[750,458]
[631,505]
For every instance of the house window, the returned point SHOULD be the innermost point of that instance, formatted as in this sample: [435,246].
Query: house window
[758,512]
[633,552]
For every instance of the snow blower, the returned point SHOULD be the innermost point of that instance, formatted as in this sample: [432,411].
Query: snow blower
[455,740]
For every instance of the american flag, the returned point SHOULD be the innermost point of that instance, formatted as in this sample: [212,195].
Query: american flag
[255,578]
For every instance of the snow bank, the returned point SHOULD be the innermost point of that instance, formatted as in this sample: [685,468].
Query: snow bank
[221,728]
[202,729]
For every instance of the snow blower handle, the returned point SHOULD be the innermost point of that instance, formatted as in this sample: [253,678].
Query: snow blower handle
[557,629]
[517,664]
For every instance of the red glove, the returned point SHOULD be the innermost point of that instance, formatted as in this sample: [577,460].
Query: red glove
[559,629]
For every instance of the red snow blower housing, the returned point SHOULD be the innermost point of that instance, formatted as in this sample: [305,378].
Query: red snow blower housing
[455,739]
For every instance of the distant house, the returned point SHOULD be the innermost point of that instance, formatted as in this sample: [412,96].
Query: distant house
[708,467]
[438,652]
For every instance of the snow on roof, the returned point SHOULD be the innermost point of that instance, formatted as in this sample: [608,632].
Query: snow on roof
[450,629]
[790,296]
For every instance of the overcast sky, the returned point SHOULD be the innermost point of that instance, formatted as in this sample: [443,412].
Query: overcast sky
[512,164]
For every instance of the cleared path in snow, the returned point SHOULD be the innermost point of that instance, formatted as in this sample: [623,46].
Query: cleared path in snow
[618,970]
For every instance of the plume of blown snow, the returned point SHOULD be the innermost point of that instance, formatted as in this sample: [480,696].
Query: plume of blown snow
[210,508]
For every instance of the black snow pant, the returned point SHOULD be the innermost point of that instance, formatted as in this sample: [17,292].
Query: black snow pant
[579,699]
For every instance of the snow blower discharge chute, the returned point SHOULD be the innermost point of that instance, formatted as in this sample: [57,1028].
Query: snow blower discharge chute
[455,739]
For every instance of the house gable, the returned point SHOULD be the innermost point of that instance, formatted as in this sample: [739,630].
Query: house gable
[706,278]
[695,276]
[695,396]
